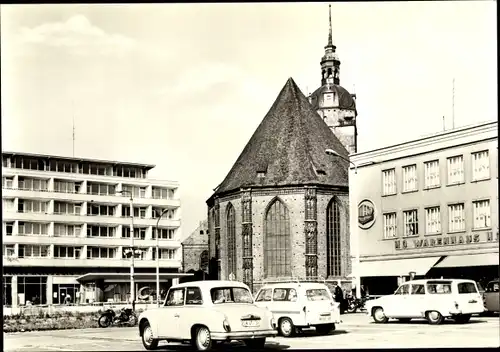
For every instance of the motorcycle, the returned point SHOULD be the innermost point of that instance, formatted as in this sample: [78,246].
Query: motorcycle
[353,304]
[109,317]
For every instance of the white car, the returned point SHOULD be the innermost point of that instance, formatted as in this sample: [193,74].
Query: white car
[205,312]
[433,299]
[297,305]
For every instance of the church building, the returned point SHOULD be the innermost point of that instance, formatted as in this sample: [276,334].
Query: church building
[282,211]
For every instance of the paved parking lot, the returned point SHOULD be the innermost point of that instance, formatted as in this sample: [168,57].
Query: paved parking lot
[357,331]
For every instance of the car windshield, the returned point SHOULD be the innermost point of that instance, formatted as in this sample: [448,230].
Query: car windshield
[317,295]
[230,295]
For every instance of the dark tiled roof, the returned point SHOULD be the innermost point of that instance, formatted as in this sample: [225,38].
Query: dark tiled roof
[289,147]
[346,101]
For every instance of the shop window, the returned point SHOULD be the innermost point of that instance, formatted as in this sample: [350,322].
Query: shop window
[32,290]
[7,290]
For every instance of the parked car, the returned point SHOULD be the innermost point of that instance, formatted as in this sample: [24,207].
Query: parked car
[297,305]
[434,300]
[206,312]
[491,296]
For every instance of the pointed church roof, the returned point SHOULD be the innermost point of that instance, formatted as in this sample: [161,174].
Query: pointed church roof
[288,148]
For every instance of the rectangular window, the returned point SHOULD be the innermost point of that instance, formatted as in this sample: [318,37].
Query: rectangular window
[100,210]
[64,230]
[66,186]
[66,252]
[456,217]
[7,182]
[167,253]
[32,184]
[33,251]
[482,214]
[389,181]
[100,231]
[8,228]
[31,206]
[8,205]
[480,165]
[101,189]
[101,253]
[410,178]
[410,220]
[390,225]
[160,193]
[137,192]
[32,228]
[63,208]
[9,250]
[432,220]
[456,170]
[439,287]
[431,169]
[165,234]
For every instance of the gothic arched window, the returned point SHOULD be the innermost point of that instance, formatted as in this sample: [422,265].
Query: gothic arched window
[231,240]
[277,241]
[333,250]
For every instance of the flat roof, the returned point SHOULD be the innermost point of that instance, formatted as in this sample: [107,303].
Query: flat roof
[113,162]
[430,137]
[137,276]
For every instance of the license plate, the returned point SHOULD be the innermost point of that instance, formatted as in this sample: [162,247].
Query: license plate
[250,323]
[324,318]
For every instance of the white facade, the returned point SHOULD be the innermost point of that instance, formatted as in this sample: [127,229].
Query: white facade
[418,205]
[62,213]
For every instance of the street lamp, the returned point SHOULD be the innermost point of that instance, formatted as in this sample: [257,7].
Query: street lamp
[132,283]
[351,200]
[334,153]
[158,258]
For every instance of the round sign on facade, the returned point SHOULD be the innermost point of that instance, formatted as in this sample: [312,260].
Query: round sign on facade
[366,214]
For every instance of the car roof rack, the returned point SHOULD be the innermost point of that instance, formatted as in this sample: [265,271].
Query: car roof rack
[295,279]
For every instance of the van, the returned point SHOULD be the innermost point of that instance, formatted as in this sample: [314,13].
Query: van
[298,305]
[432,299]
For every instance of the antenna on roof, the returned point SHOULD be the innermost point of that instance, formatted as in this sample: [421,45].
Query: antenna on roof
[453,106]
[73,115]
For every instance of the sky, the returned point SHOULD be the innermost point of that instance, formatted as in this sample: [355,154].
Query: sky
[184,86]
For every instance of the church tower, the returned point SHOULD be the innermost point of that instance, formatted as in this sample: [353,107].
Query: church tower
[335,105]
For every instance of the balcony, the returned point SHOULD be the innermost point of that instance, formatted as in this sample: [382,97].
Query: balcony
[83,197]
[90,263]
[89,241]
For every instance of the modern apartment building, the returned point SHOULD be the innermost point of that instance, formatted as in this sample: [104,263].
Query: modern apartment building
[427,208]
[66,229]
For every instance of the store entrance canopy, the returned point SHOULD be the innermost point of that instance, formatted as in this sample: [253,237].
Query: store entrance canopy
[396,267]
[125,277]
[456,261]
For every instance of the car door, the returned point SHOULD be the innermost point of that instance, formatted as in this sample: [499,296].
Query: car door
[190,312]
[397,304]
[168,324]
[263,299]
[492,297]
[416,300]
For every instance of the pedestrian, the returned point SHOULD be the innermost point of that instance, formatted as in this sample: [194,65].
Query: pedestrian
[338,295]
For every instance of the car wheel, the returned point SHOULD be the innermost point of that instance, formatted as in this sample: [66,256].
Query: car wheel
[434,317]
[404,320]
[202,340]
[148,341]
[379,315]
[286,327]
[324,329]
[256,343]
[462,319]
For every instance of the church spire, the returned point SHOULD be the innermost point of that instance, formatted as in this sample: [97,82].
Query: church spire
[330,18]
[330,63]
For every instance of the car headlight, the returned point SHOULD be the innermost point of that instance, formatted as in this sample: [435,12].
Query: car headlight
[226,325]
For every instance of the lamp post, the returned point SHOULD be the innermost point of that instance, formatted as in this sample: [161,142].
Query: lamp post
[158,258]
[355,216]
[132,282]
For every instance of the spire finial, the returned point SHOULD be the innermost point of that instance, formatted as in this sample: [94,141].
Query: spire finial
[330,19]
